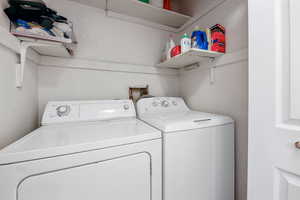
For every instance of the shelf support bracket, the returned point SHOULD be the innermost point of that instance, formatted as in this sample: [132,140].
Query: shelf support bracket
[191,67]
[212,76]
[106,8]
[211,59]
[20,67]
[212,72]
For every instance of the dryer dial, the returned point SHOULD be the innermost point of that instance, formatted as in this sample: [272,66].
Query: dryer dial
[63,110]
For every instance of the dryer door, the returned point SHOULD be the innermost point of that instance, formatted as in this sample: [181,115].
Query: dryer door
[125,177]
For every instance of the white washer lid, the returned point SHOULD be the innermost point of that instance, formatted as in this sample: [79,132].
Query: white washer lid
[178,121]
[61,139]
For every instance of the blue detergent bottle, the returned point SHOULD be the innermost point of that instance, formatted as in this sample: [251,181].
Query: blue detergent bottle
[199,39]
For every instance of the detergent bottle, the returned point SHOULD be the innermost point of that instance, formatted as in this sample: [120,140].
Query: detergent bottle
[185,43]
[170,46]
[199,39]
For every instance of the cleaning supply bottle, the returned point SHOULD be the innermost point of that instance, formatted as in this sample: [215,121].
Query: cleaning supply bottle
[171,45]
[145,1]
[199,39]
[194,43]
[167,4]
[208,35]
[185,43]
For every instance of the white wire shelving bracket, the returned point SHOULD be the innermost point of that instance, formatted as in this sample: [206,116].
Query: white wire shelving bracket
[20,66]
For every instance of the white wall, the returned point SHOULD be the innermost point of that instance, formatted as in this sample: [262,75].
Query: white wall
[18,107]
[102,38]
[105,38]
[229,94]
[194,8]
[4,22]
[70,84]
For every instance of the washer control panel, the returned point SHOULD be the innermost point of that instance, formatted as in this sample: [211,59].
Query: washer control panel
[75,111]
[161,104]
[165,103]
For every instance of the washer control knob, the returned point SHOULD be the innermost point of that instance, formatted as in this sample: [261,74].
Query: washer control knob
[63,110]
[165,103]
[126,107]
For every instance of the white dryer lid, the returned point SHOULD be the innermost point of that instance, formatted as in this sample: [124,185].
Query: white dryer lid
[61,139]
[187,120]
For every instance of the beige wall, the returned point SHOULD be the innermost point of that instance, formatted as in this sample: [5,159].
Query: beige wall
[229,94]
[18,107]
[79,84]
[102,38]
[106,38]
[194,8]
[4,22]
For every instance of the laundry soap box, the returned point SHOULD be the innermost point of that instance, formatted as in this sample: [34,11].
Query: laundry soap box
[218,38]
[213,39]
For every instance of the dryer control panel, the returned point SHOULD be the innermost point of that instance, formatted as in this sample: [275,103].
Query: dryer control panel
[156,105]
[76,111]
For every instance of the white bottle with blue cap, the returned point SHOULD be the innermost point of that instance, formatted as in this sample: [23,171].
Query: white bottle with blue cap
[185,43]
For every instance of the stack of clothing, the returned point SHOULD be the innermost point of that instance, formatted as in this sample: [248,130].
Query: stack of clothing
[34,18]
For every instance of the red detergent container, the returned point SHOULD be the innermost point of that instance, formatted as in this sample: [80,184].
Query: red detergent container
[167,4]
[176,51]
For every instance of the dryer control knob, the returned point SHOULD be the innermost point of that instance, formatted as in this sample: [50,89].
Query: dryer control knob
[63,110]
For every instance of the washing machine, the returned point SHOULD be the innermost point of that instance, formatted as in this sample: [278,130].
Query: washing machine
[198,149]
[84,150]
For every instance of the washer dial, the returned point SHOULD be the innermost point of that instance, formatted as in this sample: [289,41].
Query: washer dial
[165,103]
